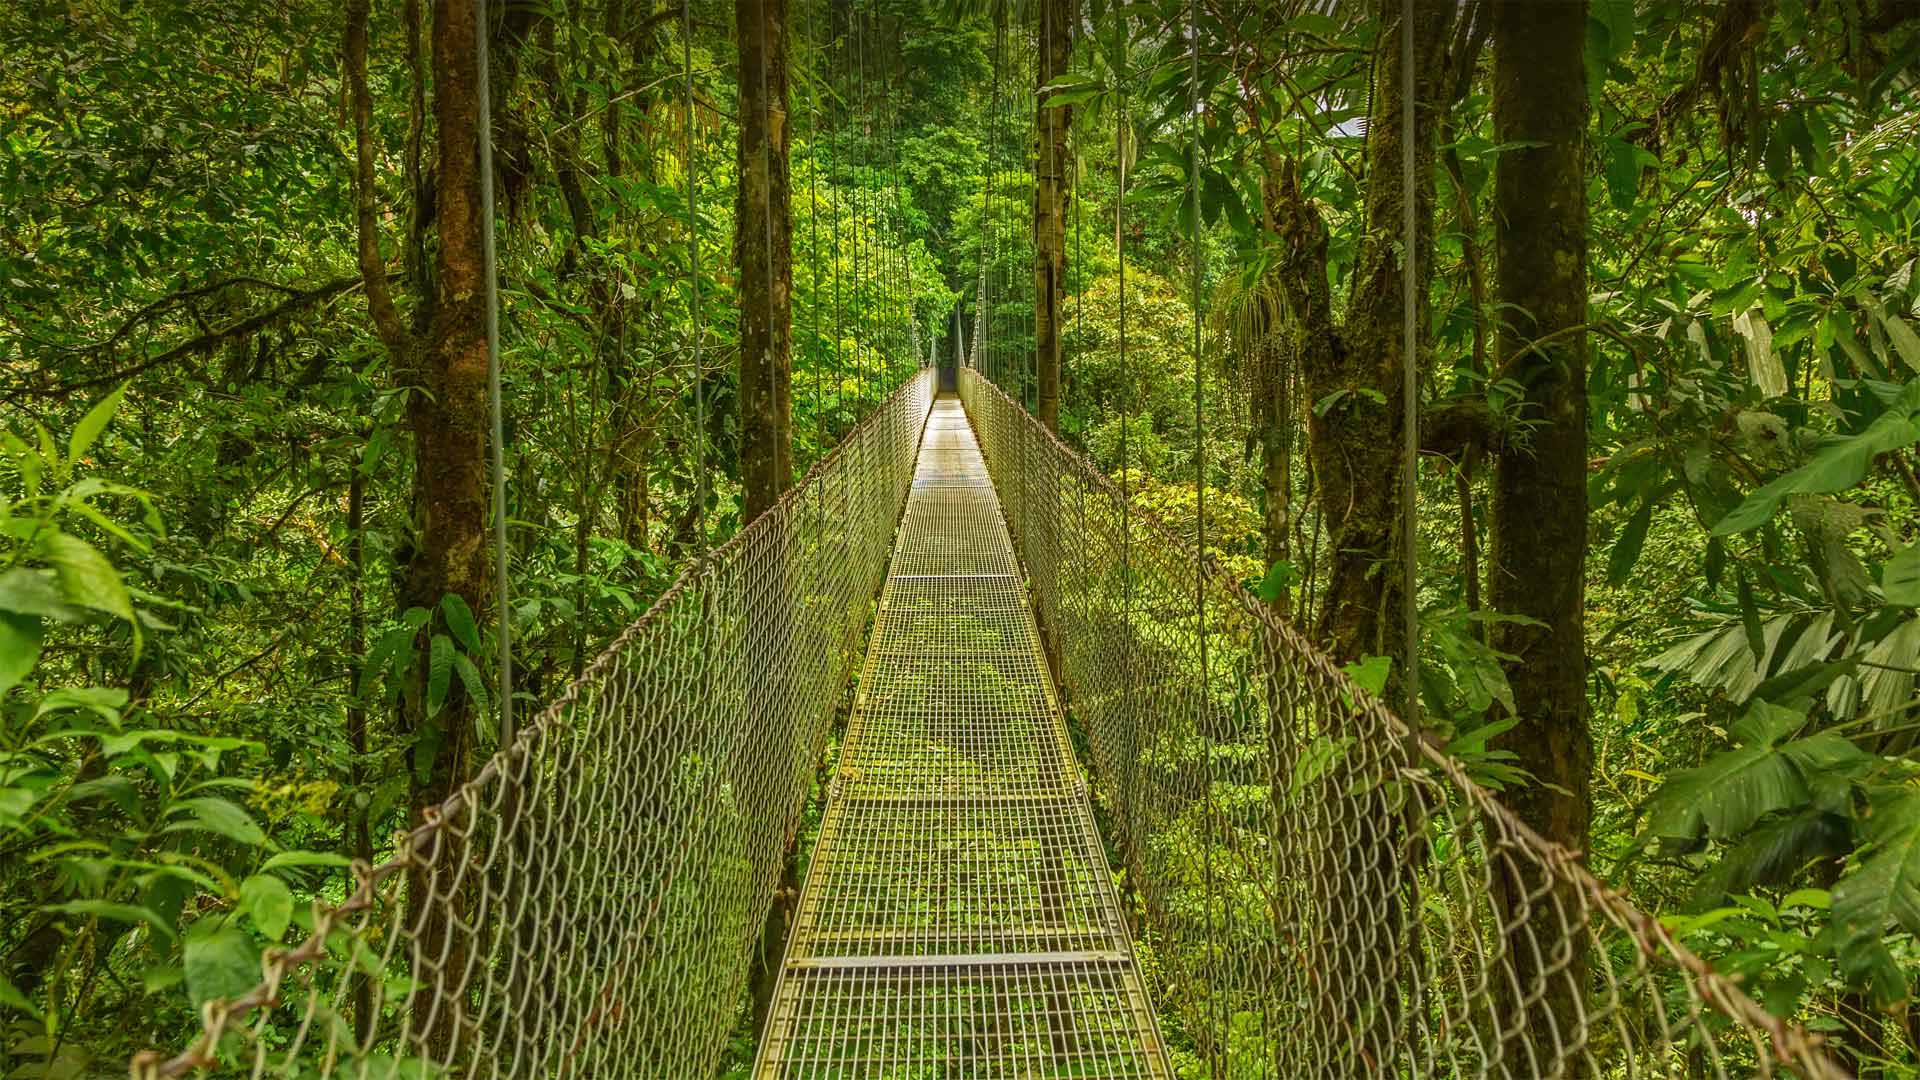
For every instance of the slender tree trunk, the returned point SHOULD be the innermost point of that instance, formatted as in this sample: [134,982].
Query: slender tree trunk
[1052,188]
[763,249]
[1539,509]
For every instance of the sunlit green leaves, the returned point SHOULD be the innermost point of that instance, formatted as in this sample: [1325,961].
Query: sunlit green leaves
[20,641]
[218,816]
[221,962]
[269,903]
[1841,464]
[1764,772]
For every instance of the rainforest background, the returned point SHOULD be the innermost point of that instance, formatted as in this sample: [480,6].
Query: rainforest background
[1666,369]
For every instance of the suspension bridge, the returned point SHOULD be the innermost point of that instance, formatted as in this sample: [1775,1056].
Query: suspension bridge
[1165,834]
[1093,812]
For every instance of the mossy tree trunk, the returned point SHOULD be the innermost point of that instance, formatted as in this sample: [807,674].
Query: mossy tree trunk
[1539,506]
[442,356]
[763,252]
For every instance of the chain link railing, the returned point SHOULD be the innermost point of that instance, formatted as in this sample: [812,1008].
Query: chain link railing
[589,904]
[1322,892]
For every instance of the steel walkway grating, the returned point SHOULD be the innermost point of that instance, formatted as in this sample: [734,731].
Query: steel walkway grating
[959,918]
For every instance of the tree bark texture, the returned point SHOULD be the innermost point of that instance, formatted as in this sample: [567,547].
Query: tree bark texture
[443,358]
[763,251]
[1539,497]
[1052,189]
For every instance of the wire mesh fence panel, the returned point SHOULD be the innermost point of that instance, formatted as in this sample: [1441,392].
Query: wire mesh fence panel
[587,905]
[1322,892]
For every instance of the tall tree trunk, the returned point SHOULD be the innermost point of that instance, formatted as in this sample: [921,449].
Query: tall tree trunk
[763,250]
[1052,187]
[1539,509]
[446,362]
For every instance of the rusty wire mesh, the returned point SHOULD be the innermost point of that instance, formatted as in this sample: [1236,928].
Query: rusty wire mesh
[587,905]
[1322,893]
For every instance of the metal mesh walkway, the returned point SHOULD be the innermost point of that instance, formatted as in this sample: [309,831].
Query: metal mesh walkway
[958,917]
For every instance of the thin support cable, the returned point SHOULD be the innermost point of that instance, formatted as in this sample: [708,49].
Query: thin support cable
[693,255]
[1200,476]
[813,253]
[1120,127]
[496,422]
[1410,372]
[766,170]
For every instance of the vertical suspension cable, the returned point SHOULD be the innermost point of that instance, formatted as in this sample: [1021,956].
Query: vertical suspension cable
[1410,374]
[693,256]
[862,271]
[839,228]
[495,420]
[813,245]
[1200,483]
[1130,778]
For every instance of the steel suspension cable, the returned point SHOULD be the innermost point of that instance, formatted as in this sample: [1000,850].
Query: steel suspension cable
[1121,125]
[693,261]
[813,254]
[862,271]
[1200,472]
[839,227]
[495,420]
[1410,373]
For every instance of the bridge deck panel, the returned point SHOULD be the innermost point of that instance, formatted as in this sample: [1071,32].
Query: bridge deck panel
[959,917]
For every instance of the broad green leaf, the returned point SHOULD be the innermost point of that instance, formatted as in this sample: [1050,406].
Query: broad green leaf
[1623,174]
[12,998]
[20,638]
[1626,546]
[269,903]
[1370,673]
[1905,341]
[1900,580]
[86,577]
[91,425]
[30,591]
[470,678]
[106,909]
[460,621]
[221,964]
[104,702]
[1835,468]
[1750,620]
[306,858]
[1736,788]
[1616,18]
[439,673]
[212,814]
[1279,578]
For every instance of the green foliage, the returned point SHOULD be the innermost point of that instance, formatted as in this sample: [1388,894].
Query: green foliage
[133,818]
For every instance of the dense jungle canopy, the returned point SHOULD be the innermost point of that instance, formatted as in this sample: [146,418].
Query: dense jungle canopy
[1665,541]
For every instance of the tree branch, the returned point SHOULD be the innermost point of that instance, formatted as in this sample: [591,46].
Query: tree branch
[208,341]
[373,269]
